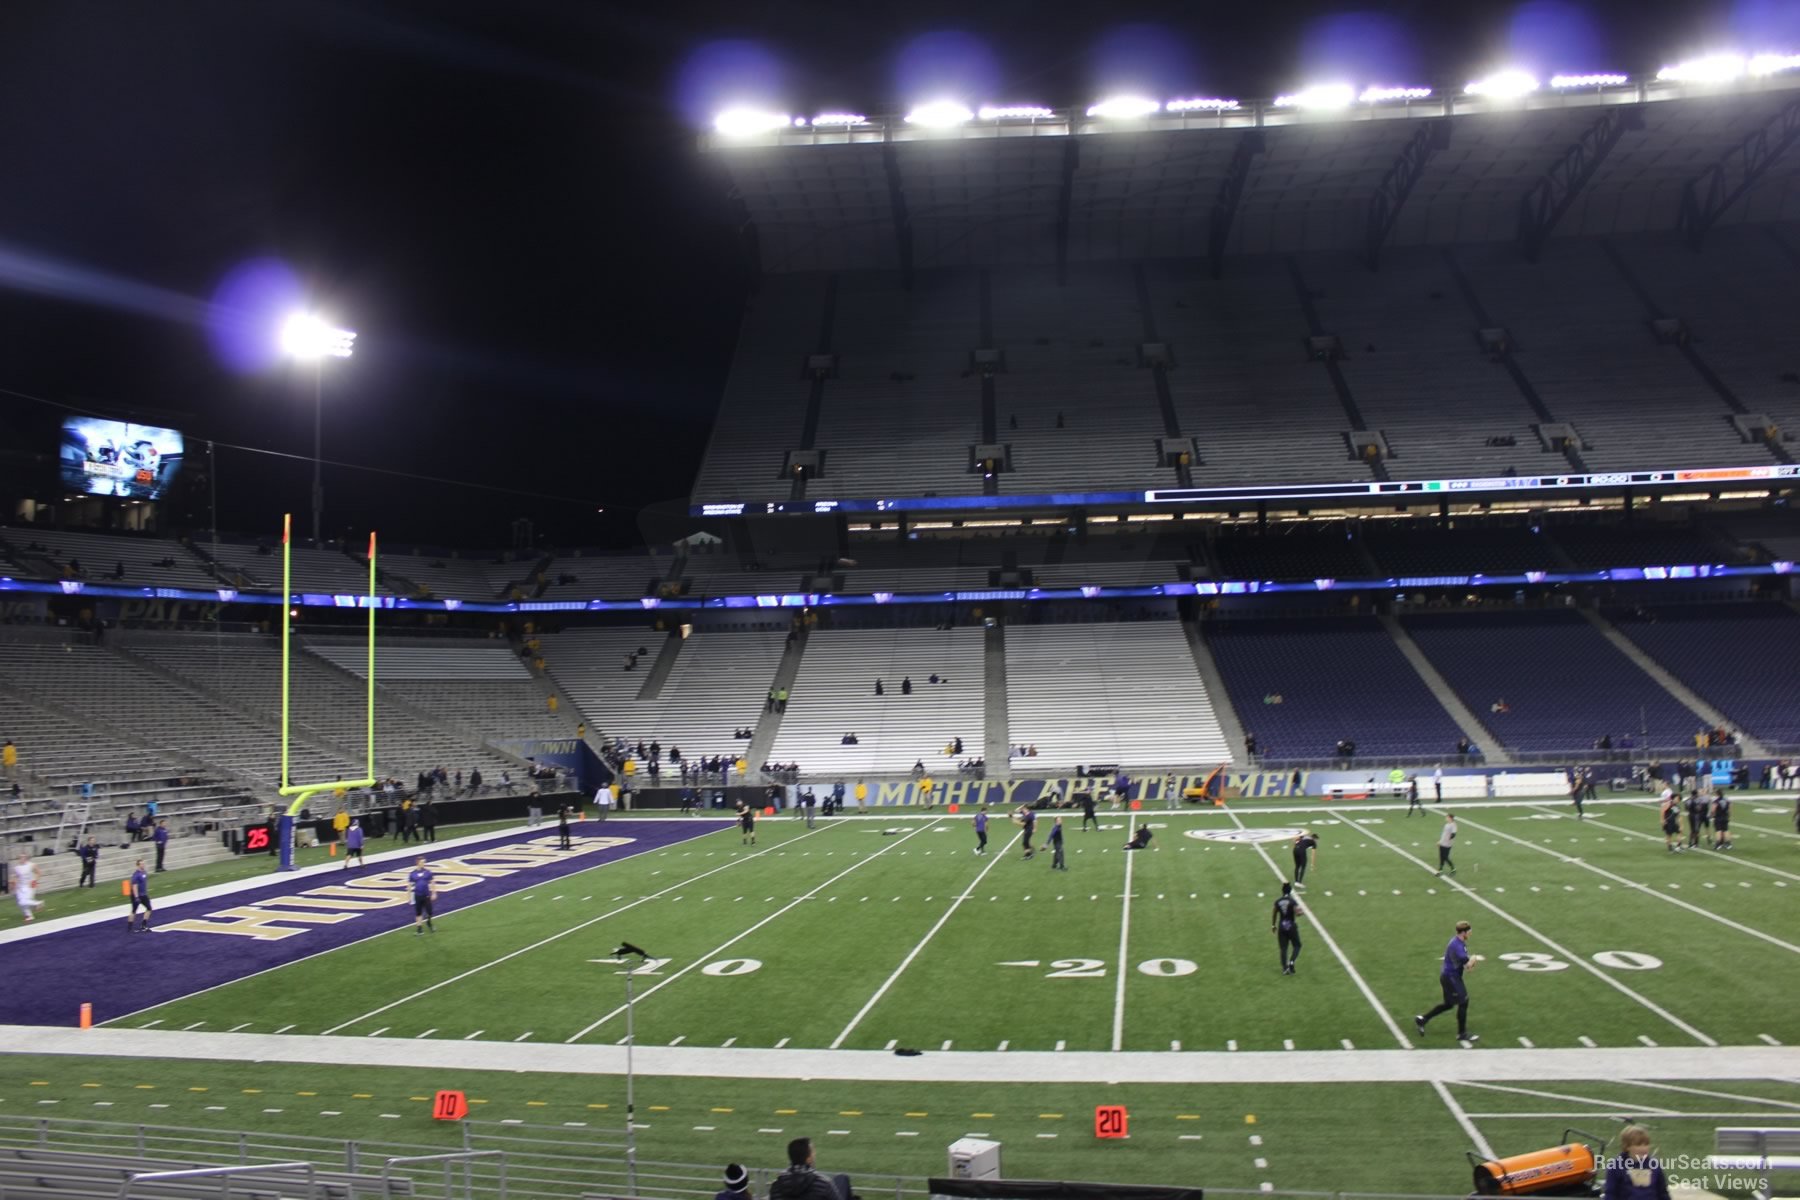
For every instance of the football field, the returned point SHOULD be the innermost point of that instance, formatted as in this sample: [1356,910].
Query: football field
[873,933]
[785,974]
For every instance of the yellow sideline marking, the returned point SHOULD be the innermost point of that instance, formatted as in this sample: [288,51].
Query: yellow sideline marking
[1249,1118]
[362,1095]
[787,1112]
[659,1108]
[198,1089]
[723,1110]
[981,1115]
[1050,1116]
[918,1114]
[534,1104]
[849,1112]
[1187,1116]
[597,1106]
[418,1097]
[90,1085]
[40,1083]
[252,1091]
[306,1093]
[146,1087]
[477,1101]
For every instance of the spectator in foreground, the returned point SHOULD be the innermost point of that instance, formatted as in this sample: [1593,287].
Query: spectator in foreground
[802,1182]
[737,1183]
[1635,1174]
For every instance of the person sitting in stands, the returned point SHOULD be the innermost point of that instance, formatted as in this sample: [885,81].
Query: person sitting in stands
[849,739]
[1500,706]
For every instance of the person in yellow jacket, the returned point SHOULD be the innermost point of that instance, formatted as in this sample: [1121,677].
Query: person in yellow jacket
[9,758]
[862,794]
[925,796]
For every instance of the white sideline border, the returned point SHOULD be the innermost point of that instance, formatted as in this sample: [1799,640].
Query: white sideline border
[1699,1063]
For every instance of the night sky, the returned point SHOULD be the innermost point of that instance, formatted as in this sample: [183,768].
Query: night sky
[506,202]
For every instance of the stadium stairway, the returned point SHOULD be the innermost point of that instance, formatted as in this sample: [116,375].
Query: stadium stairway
[1223,709]
[997,746]
[1749,746]
[661,669]
[762,743]
[1471,726]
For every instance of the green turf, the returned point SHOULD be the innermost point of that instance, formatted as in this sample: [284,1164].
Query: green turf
[874,931]
[833,915]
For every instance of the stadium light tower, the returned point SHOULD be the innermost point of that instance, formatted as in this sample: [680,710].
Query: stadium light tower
[307,337]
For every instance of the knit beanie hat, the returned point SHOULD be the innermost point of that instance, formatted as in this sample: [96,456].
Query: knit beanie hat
[735,1176]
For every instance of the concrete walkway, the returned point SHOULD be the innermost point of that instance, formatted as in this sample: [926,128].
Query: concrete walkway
[1336,1066]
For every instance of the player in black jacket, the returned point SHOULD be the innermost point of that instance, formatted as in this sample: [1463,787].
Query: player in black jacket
[1284,923]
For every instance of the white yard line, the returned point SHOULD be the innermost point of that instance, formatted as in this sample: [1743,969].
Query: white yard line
[535,945]
[923,942]
[1595,823]
[730,942]
[1362,985]
[1563,951]
[1670,1087]
[1462,1118]
[1641,888]
[1118,1038]
[1614,1105]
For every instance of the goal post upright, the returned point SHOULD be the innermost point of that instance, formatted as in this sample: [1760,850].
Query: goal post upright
[299,793]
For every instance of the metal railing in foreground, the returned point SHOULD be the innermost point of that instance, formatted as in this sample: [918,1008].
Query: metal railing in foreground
[496,1161]
[225,1175]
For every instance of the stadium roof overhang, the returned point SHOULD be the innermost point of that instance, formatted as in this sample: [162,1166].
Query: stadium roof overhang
[889,195]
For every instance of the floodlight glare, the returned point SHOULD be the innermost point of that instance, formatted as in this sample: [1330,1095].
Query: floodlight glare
[1597,79]
[1375,94]
[306,336]
[1200,104]
[1014,112]
[1124,106]
[746,122]
[1710,68]
[939,114]
[1773,64]
[840,118]
[1319,95]
[1504,85]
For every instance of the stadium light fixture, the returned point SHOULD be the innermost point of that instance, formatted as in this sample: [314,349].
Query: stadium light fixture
[1014,112]
[1123,107]
[306,336]
[1595,79]
[1319,96]
[1380,94]
[1200,104]
[840,119]
[1709,68]
[1773,64]
[747,122]
[1509,84]
[940,114]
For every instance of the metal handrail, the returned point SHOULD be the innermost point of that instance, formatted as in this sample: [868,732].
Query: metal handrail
[462,1156]
[223,1173]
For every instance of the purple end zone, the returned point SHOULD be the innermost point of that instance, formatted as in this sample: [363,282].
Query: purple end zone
[48,978]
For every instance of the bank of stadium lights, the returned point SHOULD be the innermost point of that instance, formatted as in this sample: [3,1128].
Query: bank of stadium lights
[305,336]
[839,120]
[1014,112]
[1376,94]
[1504,85]
[940,114]
[1124,107]
[747,122]
[1320,96]
[1595,80]
[1773,64]
[1200,104]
